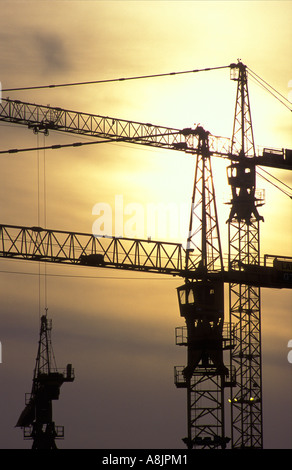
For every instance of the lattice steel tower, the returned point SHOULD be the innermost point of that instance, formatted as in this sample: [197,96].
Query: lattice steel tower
[37,417]
[244,249]
[201,303]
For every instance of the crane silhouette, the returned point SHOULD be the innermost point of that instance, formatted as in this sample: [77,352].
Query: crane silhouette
[37,416]
[206,333]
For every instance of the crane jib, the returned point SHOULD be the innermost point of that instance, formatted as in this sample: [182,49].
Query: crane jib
[45,118]
[149,256]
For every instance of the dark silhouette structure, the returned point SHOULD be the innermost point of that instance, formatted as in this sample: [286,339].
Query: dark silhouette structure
[37,417]
[207,335]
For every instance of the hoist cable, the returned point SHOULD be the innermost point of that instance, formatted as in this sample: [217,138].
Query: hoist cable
[41,175]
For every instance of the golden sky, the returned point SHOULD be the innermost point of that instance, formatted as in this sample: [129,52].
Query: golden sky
[119,333]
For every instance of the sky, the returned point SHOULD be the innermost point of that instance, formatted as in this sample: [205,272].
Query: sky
[117,329]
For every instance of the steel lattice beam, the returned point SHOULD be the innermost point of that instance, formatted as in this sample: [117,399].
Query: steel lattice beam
[62,247]
[46,118]
[33,243]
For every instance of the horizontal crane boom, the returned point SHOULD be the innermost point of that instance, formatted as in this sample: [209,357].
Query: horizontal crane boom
[61,247]
[45,118]
[37,244]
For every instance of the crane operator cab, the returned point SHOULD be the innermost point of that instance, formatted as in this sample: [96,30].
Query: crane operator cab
[201,303]
[244,203]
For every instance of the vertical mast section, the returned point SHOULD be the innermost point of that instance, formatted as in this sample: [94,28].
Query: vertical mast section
[45,360]
[244,248]
[204,237]
[37,417]
[202,306]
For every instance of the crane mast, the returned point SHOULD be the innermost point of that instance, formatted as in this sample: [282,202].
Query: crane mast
[37,417]
[245,300]
[201,304]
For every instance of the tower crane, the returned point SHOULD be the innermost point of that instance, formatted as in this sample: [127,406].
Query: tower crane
[37,416]
[206,333]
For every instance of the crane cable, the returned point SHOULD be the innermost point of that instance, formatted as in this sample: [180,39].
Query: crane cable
[123,139]
[42,175]
[270,89]
[255,77]
[79,144]
[38,217]
[277,179]
[274,184]
[95,82]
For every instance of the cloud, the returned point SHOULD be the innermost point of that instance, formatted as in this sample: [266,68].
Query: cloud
[52,53]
